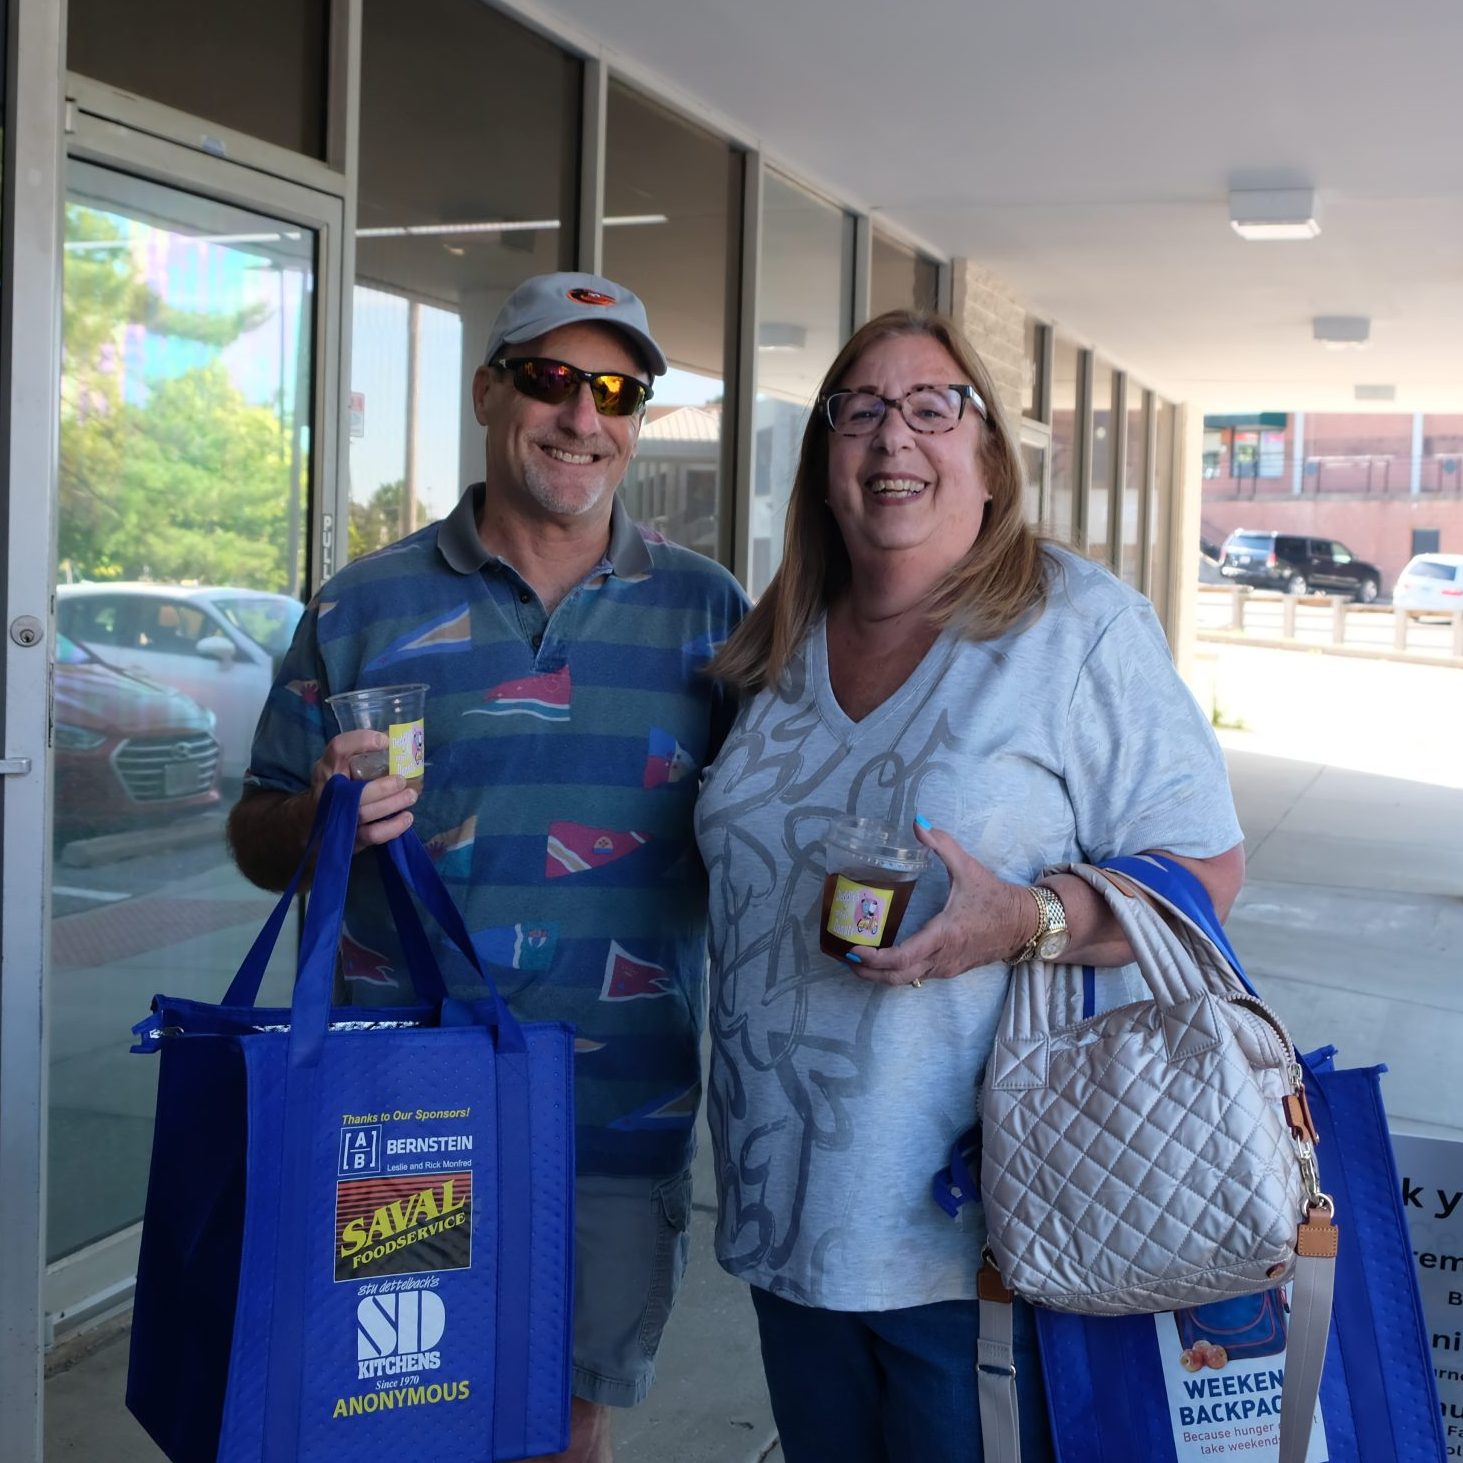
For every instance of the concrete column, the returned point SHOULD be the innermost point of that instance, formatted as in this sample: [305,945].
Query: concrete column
[994,318]
[1415,481]
[1298,455]
[1185,519]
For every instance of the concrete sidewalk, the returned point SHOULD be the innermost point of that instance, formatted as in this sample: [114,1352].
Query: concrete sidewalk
[1351,797]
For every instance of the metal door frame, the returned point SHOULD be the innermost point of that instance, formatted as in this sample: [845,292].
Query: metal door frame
[30,362]
[97,1278]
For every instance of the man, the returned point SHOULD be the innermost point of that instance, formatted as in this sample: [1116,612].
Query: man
[566,723]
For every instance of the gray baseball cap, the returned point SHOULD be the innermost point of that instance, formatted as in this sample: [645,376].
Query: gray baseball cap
[547,301]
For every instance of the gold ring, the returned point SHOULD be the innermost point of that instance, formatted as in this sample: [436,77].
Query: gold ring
[916,982]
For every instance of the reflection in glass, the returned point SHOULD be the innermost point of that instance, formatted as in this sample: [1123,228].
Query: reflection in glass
[1135,481]
[184,474]
[457,205]
[1033,460]
[681,184]
[900,278]
[1059,518]
[258,68]
[806,283]
[1100,491]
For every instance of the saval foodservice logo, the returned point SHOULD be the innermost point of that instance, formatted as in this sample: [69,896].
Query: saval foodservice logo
[399,1226]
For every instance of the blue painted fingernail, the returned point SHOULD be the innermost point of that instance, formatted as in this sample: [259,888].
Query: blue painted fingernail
[854,957]
[921,821]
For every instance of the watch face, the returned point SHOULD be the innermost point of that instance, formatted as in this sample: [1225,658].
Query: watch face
[1053,945]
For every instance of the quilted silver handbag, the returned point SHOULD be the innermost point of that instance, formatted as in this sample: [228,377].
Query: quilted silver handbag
[1153,1156]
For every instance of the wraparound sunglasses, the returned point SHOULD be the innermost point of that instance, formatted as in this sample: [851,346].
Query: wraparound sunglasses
[554,382]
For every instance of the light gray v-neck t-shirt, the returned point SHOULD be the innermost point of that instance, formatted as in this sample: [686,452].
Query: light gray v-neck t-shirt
[833,1100]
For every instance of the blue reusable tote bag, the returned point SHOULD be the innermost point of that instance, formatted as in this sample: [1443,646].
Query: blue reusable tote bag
[359,1226]
[1153,1388]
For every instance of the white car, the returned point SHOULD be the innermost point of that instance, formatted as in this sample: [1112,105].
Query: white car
[217,645]
[1430,582]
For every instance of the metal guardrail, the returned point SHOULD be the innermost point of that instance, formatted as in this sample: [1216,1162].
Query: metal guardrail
[1329,623]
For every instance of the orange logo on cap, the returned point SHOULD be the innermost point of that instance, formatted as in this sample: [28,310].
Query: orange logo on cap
[589,297]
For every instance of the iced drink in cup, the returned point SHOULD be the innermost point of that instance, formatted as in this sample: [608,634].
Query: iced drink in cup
[870,872]
[399,711]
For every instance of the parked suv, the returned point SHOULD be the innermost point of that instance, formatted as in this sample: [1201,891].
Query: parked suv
[1430,582]
[1298,564]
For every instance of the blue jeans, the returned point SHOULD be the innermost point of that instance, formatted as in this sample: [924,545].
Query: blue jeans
[889,1386]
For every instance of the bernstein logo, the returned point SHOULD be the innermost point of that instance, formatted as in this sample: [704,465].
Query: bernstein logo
[589,297]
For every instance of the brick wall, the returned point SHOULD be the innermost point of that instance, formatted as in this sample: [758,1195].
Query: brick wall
[994,318]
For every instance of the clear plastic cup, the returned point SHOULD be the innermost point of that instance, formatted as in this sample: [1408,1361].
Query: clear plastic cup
[399,711]
[870,872]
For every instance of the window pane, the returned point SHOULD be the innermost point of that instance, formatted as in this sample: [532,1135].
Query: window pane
[1033,460]
[1100,492]
[1060,516]
[1135,479]
[805,307]
[671,210]
[184,475]
[488,195]
[258,68]
[1034,361]
[926,284]
[901,279]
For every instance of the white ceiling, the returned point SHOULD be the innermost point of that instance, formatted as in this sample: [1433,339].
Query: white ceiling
[1085,153]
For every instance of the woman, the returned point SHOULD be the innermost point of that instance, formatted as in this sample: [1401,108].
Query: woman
[920,659]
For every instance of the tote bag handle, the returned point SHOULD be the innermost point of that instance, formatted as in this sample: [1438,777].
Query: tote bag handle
[404,865]
[1177,957]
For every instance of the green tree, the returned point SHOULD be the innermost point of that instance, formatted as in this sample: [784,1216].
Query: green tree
[191,481]
[377,522]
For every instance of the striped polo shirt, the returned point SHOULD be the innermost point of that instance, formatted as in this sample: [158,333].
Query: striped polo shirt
[563,754]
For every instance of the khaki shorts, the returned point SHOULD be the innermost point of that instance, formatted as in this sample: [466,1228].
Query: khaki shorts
[630,1245]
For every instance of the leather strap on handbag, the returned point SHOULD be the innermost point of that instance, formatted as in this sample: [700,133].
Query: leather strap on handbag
[1000,1422]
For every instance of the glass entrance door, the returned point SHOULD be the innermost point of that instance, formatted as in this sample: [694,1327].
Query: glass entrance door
[184,492]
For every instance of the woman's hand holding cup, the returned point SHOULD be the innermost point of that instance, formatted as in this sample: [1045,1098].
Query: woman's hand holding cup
[983,921]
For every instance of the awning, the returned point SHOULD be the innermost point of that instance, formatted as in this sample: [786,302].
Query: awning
[1266,420]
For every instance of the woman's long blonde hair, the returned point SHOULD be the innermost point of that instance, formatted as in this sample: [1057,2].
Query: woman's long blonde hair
[1001,578]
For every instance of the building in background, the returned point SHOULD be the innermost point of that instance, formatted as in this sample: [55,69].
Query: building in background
[1387,485]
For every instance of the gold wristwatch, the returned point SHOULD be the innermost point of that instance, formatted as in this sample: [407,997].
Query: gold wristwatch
[1052,936]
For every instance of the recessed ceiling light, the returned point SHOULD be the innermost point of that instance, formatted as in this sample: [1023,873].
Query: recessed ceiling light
[1270,214]
[1341,332]
[1375,393]
[781,335]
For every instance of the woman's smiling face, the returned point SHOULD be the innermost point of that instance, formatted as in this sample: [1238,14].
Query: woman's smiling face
[899,491]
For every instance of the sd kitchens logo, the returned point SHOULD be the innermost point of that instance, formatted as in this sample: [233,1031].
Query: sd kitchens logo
[399,1333]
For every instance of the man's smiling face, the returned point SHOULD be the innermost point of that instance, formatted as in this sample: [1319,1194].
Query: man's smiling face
[564,461]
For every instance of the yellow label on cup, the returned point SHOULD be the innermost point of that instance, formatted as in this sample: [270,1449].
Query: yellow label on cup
[408,753]
[858,912]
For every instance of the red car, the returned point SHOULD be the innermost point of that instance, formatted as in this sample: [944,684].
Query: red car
[127,751]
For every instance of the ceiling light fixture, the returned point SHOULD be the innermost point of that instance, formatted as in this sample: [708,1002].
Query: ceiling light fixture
[1270,214]
[781,335]
[1341,332]
[498,226]
[1375,393]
